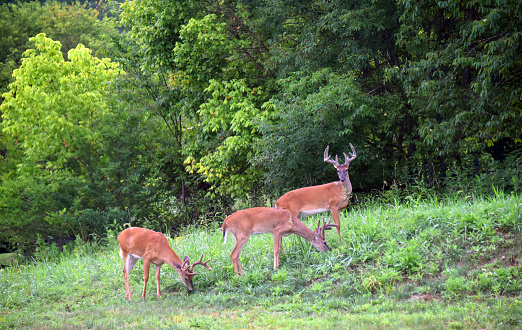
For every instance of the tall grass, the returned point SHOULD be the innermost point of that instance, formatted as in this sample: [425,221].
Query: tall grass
[409,263]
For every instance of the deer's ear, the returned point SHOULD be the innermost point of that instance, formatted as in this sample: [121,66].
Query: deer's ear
[186,258]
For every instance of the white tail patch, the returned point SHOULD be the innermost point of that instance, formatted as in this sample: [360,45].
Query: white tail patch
[225,236]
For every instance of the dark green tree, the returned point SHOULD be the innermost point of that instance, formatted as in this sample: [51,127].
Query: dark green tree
[441,82]
[463,77]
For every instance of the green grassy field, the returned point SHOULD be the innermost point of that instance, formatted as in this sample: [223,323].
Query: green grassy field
[452,263]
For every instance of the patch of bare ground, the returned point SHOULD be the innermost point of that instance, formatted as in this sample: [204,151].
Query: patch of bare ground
[426,296]
[507,254]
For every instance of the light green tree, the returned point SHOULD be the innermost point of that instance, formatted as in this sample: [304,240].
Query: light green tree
[54,105]
[51,113]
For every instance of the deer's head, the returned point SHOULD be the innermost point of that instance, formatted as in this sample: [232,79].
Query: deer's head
[186,271]
[319,240]
[342,169]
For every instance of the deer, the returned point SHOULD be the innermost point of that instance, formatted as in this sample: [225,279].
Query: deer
[331,196]
[280,222]
[154,248]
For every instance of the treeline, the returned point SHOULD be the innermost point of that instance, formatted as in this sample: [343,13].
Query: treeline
[168,113]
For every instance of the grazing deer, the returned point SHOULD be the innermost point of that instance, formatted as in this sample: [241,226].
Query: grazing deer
[332,196]
[279,222]
[153,247]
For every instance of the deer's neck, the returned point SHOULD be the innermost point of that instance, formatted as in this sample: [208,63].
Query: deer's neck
[303,231]
[347,188]
[170,257]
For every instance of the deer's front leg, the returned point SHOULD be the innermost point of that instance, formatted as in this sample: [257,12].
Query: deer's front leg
[337,219]
[278,242]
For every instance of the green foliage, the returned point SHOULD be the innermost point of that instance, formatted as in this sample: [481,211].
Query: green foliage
[223,100]
[315,111]
[155,25]
[215,90]
[17,25]
[205,48]
[463,76]
[436,91]
[234,114]
[31,205]
[142,171]
[52,111]
[60,102]
[70,24]
[347,73]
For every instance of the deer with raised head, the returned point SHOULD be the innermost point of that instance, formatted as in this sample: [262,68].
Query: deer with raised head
[279,222]
[154,248]
[331,196]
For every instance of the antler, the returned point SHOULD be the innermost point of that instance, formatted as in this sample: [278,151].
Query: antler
[347,159]
[327,157]
[199,262]
[326,226]
[186,265]
[352,154]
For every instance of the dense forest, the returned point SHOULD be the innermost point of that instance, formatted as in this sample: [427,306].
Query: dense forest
[171,113]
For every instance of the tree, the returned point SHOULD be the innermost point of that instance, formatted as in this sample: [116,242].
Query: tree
[317,110]
[52,111]
[442,81]
[17,25]
[234,114]
[70,24]
[463,78]
[214,76]
[331,59]
[232,109]
[54,105]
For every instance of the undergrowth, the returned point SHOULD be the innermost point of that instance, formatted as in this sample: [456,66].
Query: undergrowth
[423,263]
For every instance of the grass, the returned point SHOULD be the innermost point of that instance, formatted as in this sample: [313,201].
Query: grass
[452,263]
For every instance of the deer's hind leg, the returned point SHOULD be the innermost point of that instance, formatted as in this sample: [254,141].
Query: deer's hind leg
[236,252]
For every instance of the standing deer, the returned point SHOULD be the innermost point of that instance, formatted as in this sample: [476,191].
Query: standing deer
[332,196]
[279,222]
[153,247]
